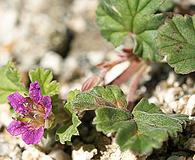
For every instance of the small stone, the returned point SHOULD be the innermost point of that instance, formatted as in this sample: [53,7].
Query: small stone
[171,78]
[125,155]
[190,144]
[34,154]
[190,107]
[5,158]
[192,2]
[16,153]
[52,61]
[4,58]
[77,24]
[5,117]
[169,96]
[95,57]
[59,155]
[4,149]
[113,152]
[85,152]
[79,6]
[153,100]
[71,68]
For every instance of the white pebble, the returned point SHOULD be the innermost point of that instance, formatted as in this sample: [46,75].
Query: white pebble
[52,61]
[82,154]
[190,107]
[59,155]
[34,154]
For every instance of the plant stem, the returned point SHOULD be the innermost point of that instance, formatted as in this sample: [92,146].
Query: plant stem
[134,83]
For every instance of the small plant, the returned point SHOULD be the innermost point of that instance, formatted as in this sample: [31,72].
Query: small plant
[156,36]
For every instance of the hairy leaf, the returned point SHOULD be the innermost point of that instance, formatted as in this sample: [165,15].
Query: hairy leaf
[146,130]
[44,77]
[69,127]
[167,5]
[120,18]
[176,41]
[146,47]
[110,96]
[111,119]
[10,81]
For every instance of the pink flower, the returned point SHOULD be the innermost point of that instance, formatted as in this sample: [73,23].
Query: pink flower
[32,112]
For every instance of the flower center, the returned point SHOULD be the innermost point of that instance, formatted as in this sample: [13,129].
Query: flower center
[34,114]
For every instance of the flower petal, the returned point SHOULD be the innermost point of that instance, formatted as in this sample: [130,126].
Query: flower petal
[35,92]
[47,104]
[33,136]
[17,102]
[16,128]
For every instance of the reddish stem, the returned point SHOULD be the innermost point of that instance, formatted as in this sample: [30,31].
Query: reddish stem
[134,85]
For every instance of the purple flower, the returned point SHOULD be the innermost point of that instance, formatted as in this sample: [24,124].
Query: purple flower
[32,112]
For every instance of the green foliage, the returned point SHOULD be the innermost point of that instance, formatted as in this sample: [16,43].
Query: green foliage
[176,40]
[109,96]
[173,158]
[10,81]
[69,127]
[44,77]
[148,128]
[120,18]
[111,119]
[146,47]
[167,5]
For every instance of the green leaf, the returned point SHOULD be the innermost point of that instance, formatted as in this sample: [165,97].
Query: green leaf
[120,18]
[111,119]
[176,41]
[69,127]
[44,77]
[10,81]
[110,96]
[55,104]
[169,4]
[148,128]
[145,47]
[144,106]
[173,158]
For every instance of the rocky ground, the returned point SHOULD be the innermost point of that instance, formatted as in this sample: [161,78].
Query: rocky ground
[62,35]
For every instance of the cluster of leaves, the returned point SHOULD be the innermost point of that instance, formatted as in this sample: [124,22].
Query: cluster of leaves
[155,35]
[141,130]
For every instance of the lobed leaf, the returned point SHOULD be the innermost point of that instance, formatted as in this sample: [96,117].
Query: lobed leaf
[10,81]
[120,18]
[111,119]
[69,127]
[167,5]
[176,41]
[44,77]
[146,130]
[109,96]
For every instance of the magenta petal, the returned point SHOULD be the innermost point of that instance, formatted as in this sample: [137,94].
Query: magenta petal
[47,104]
[16,128]
[33,136]
[35,92]
[17,102]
